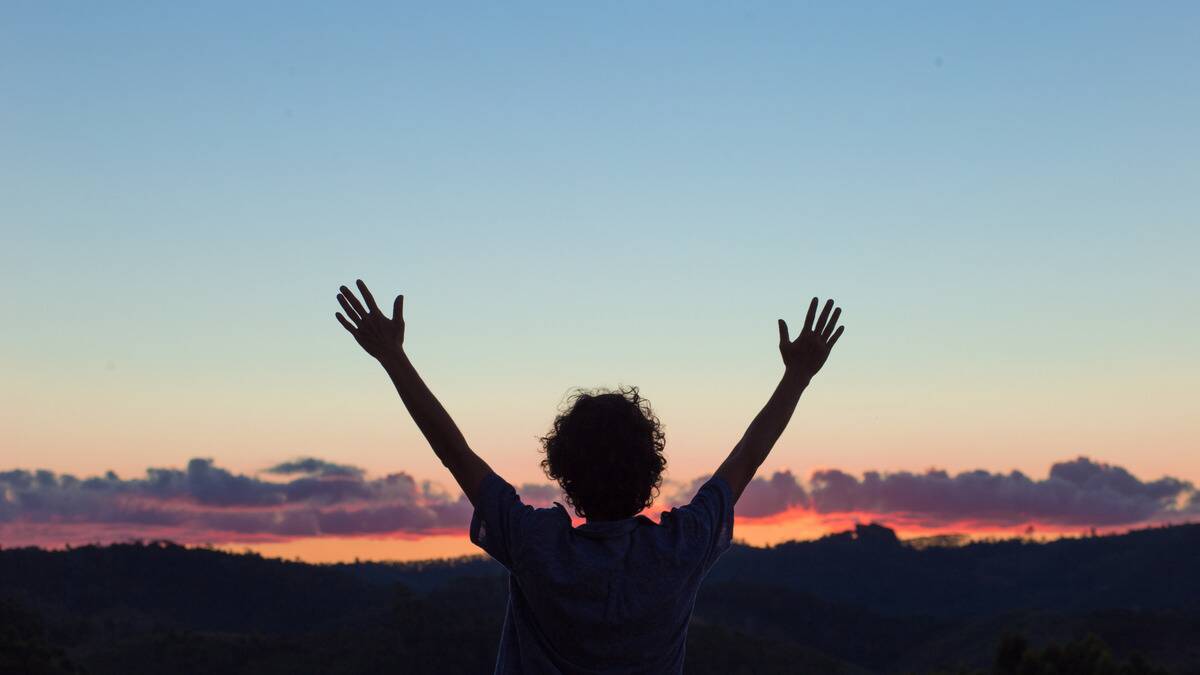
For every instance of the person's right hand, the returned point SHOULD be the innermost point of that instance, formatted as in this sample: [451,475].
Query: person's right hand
[378,335]
[805,355]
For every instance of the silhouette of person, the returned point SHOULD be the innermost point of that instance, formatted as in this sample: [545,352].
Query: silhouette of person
[615,594]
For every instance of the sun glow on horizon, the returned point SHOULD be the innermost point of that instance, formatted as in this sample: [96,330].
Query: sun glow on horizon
[794,525]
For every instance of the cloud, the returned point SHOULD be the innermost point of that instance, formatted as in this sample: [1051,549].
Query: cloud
[314,466]
[540,494]
[762,497]
[310,497]
[205,503]
[1077,492]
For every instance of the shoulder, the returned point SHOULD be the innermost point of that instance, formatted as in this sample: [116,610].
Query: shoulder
[711,509]
[506,527]
[717,484]
[556,515]
[714,495]
[540,522]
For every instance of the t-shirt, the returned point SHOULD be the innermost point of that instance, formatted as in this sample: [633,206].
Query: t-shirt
[604,597]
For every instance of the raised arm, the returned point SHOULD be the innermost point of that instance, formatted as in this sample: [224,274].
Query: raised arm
[802,358]
[383,338]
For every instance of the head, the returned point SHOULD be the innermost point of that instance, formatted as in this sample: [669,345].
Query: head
[606,452]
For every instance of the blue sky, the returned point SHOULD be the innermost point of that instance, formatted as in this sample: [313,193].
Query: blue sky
[1003,198]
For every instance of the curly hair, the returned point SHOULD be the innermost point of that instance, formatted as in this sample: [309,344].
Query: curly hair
[605,449]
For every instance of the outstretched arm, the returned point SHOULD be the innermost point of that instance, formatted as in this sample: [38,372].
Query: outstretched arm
[802,358]
[383,338]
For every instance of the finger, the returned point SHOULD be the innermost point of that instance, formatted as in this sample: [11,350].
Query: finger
[350,312]
[820,328]
[812,314]
[398,308]
[367,297]
[345,324]
[836,334]
[353,300]
[783,333]
[833,319]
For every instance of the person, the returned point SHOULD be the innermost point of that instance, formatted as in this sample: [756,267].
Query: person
[615,593]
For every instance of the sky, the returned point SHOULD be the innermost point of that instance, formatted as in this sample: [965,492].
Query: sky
[1002,199]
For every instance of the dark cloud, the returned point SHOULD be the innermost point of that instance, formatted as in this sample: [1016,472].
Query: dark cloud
[540,494]
[314,466]
[1193,506]
[206,503]
[1078,492]
[1100,477]
[762,497]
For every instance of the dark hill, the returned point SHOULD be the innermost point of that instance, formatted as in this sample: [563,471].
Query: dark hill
[854,602]
[1143,569]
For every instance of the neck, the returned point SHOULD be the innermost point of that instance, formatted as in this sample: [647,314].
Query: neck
[606,520]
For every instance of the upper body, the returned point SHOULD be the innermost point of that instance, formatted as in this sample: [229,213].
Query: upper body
[613,595]
[606,596]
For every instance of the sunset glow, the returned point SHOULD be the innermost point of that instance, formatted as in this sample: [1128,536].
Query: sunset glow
[317,510]
[581,198]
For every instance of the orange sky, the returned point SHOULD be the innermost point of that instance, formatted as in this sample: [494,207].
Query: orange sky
[796,525]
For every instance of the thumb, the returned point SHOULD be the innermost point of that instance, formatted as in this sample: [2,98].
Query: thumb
[398,307]
[783,333]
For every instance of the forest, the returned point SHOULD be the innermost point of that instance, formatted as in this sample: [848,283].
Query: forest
[855,602]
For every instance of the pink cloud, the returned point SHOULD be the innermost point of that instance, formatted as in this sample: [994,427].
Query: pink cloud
[309,497]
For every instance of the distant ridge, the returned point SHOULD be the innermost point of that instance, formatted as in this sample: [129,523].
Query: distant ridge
[853,602]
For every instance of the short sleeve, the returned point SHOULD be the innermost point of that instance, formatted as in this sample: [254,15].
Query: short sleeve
[711,512]
[497,520]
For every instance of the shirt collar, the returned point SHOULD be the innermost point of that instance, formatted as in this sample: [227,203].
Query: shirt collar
[608,529]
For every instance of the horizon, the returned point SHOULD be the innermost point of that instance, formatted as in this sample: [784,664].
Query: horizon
[336,512]
[921,542]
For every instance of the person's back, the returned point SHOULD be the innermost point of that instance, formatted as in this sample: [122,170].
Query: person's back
[610,596]
[615,594]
